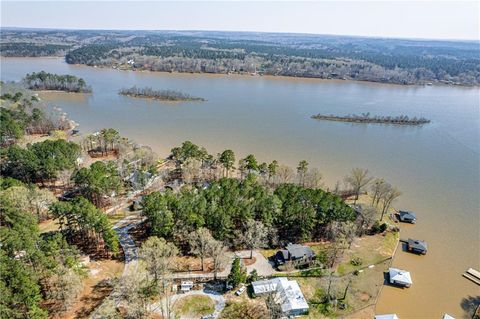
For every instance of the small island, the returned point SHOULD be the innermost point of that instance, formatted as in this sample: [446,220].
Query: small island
[366,118]
[161,95]
[54,82]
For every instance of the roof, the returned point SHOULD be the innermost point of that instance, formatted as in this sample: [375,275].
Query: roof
[407,213]
[417,244]
[400,276]
[389,316]
[291,296]
[265,286]
[447,316]
[298,251]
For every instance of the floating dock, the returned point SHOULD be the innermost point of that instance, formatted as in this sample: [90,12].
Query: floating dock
[473,275]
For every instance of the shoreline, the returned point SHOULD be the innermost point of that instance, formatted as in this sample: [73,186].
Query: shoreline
[267,76]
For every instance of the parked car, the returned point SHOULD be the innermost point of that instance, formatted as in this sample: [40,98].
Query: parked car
[240,291]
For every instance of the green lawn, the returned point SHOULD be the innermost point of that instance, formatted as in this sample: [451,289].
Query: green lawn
[194,306]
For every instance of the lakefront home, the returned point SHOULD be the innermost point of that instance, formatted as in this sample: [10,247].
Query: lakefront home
[295,254]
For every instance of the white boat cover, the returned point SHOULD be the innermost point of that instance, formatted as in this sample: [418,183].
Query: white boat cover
[400,276]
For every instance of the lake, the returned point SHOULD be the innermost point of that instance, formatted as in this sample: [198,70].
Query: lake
[436,166]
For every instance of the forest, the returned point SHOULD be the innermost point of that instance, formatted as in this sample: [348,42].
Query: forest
[399,61]
[193,204]
[48,81]
[161,95]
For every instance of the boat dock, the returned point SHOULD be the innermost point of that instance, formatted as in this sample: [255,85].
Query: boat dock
[473,275]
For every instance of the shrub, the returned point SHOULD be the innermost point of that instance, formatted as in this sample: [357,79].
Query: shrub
[356,261]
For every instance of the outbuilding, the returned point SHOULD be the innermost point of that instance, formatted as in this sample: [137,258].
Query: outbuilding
[400,277]
[389,316]
[417,246]
[407,217]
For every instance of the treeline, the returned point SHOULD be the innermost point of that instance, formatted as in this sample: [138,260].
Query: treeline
[399,61]
[49,81]
[21,113]
[290,212]
[34,268]
[293,62]
[367,118]
[162,95]
[25,49]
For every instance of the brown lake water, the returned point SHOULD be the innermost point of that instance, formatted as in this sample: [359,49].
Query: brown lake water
[436,166]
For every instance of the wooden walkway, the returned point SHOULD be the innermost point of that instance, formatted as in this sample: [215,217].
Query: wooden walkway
[473,275]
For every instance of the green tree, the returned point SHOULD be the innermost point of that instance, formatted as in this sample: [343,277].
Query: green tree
[302,169]
[237,274]
[227,159]
[272,170]
[99,180]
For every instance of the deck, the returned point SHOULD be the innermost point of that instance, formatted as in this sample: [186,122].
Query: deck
[473,275]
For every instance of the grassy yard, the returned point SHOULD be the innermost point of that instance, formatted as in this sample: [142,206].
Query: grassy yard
[194,306]
[370,250]
[363,287]
[245,308]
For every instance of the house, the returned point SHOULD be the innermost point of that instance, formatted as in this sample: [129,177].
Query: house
[291,298]
[407,217]
[262,287]
[296,254]
[400,277]
[287,294]
[417,246]
[389,316]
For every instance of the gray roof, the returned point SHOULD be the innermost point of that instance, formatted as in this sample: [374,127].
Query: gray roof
[417,244]
[405,213]
[298,251]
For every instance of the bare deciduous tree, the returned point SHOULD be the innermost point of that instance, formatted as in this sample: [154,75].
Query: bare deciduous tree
[358,180]
[218,251]
[255,235]
[199,242]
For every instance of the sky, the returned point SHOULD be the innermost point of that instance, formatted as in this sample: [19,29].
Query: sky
[396,19]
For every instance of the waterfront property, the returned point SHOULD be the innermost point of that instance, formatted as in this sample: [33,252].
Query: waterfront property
[294,254]
[287,294]
[400,277]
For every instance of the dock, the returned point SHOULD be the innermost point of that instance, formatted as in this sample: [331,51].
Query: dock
[473,275]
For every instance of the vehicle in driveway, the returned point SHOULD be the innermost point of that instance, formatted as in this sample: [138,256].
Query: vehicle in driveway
[241,290]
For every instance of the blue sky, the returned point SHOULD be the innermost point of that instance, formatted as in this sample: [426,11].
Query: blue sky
[404,19]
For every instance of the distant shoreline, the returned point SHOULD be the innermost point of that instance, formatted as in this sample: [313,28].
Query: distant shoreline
[247,75]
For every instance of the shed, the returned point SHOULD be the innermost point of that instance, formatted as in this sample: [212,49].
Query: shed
[186,286]
[400,277]
[417,246]
[389,316]
[407,216]
[447,316]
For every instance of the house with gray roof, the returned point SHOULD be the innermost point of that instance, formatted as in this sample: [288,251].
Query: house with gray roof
[296,254]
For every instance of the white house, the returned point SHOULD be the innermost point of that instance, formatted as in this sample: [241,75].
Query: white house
[265,286]
[287,293]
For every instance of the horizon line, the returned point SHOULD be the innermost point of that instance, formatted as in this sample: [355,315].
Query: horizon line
[245,31]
